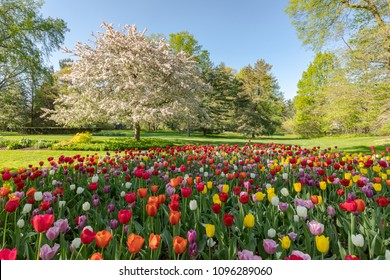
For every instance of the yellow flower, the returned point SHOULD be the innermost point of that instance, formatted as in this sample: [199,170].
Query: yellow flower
[270,190]
[270,196]
[355,178]
[376,168]
[286,242]
[377,187]
[225,188]
[348,176]
[249,221]
[209,184]
[259,196]
[384,176]
[388,171]
[298,187]
[216,199]
[323,185]
[363,171]
[210,230]
[322,243]
[204,191]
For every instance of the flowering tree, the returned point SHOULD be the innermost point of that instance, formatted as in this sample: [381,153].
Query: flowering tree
[126,77]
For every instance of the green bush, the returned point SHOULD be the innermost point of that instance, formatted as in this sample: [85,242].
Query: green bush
[14,145]
[113,145]
[3,142]
[41,143]
[82,137]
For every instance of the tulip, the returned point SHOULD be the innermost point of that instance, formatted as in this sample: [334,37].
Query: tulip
[174,217]
[228,220]
[4,192]
[249,221]
[79,190]
[210,242]
[130,197]
[331,211]
[20,223]
[124,216]
[361,205]
[247,255]
[87,236]
[193,250]
[387,255]
[269,246]
[300,255]
[96,256]
[357,240]
[191,236]
[302,211]
[382,201]
[193,205]
[284,192]
[349,205]
[216,208]
[42,223]
[298,187]
[186,192]
[62,225]
[322,243]
[275,200]
[316,228]
[271,233]
[102,238]
[285,241]
[179,244]
[323,185]
[154,241]
[52,233]
[86,206]
[151,209]
[135,243]
[11,205]
[351,257]
[7,254]
[47,253]
[27,208]
[38,196]
[76,243]
[210,230]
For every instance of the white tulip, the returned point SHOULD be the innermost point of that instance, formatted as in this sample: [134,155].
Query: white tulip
[76,243]
[201,170]
[38,196]
[128,185]
[267,186]
[72,187]
[54,182]
[123,194]
[284,192]
[86,206]
[357,240]
[275,200]
[61,203]
[20,223]
[387,255]
[88,227]
[271,233]
[296,218]
[52,172]
[95,178]
[302,211]
[79,190]
[206,174]
[285,176]
[210,242]
[193,205]
[253,175]
[27,208]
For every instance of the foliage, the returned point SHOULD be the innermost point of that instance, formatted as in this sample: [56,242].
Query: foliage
[122,76]
[82,137]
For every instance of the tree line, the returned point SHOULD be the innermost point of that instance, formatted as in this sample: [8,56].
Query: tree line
[127,78]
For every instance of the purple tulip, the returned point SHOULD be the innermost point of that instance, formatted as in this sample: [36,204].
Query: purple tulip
[62,225]
[283,206]
[114,224]
[110,208]
[193,250]
[300,254]
[331,211]
[292,235]
[52,233]
[47,253]
[270,246]
[106,189]
[247,255]
[315,227]
[191,236]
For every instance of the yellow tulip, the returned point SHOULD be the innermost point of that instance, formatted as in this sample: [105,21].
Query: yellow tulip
[377,187]
[259,196]
[298,187]
[210,230]
[376,168]
[270,190]
[216,199]
[249,221]
[348,176]
[322,243]
[225,188]
[209,184]
[286,242]
[355,178]
[270,196]
[363,171]
[384,176]
[323,185]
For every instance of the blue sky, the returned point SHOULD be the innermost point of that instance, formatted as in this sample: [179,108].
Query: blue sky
[234,32]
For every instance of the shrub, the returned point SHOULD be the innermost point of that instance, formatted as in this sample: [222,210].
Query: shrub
[84,137]
[3,142]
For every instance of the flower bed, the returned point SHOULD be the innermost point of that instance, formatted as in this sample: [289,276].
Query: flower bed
[199,202]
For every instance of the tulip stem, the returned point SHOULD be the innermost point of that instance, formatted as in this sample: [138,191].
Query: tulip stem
[81,248]
[5,229]
[39,245]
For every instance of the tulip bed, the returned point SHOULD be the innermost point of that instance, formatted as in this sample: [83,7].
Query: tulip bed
[199,202]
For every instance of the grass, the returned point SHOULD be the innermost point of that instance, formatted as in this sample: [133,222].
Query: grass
[22,158]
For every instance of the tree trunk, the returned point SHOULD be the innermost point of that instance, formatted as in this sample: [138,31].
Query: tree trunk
[204,132]
[188,131]
[137,131]
[253,135]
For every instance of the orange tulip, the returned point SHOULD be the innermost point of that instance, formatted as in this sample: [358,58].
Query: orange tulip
[154,241]
[142,192]
[175,182]
[96,256]
[4,192]
[151,209]
[198,179]
[388,183]
[174,217]
[360,204]
[377,180]
[154,188]
[102,238]
[153,200]
[161,198]
[30,192]
[135,243]
[179,244]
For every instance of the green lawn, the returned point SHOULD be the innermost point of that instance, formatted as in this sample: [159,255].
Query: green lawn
[22,158]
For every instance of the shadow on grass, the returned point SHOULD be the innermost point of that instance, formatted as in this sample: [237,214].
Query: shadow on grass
[365,149]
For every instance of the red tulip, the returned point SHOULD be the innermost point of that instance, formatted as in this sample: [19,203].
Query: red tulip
[93,186]
[223,196]
[244,197]
[7,254]
[87,236]
[44,205]
[42,223]
[228,220]
[349,205]
[124,216]
[382,201]
[130,197]
[12,205]
[186,192]
[216,208]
